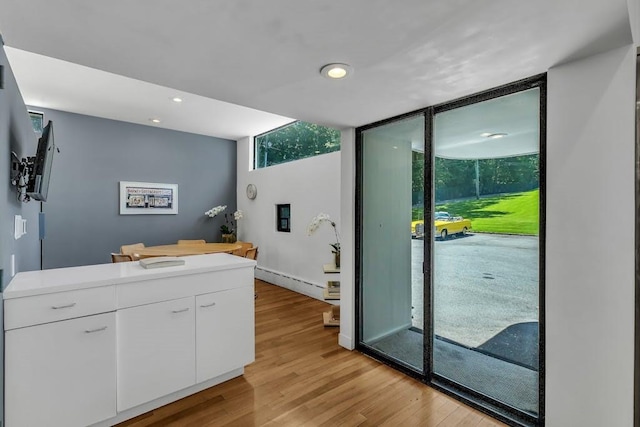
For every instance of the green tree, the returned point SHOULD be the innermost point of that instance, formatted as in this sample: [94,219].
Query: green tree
[511,174]
[294,141]
[417,177]
[417,172]
[456,178]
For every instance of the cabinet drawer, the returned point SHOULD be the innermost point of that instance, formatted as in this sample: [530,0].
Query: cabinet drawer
[27,311]
[168,288]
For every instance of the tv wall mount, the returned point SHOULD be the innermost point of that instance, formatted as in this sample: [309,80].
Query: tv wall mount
[21,170]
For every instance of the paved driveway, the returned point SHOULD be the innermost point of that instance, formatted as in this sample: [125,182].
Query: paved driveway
[483,283]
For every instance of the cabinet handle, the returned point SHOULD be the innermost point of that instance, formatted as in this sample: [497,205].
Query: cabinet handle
[90,331]
[57,307]
[180,311]
[208,305]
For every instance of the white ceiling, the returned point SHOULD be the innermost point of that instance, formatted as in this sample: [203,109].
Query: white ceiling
[465,132]
[462,133]
[266,55]
[60,85]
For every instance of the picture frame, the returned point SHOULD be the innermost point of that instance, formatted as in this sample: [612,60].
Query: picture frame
[148,198]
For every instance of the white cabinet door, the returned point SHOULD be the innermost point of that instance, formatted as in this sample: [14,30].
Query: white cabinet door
[156,351]
[225,337]
[61,373]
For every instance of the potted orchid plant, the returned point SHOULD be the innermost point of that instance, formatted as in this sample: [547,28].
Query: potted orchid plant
[228,228]
[315,223]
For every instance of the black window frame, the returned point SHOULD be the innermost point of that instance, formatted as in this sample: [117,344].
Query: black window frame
[483,403]
[283,217]
[280,128]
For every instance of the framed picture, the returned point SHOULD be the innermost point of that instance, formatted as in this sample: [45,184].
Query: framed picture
[138,198]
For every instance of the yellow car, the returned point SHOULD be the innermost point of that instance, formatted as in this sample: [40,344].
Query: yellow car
[444,226]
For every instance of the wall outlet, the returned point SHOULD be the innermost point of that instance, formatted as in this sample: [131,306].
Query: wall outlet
[13,265]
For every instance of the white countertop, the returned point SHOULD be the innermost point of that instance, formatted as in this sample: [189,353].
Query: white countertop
[40,282]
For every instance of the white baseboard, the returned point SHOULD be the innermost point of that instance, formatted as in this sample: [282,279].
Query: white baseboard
[346,342]
[296,284]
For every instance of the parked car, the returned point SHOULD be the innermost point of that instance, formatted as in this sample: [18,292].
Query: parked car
[444,224]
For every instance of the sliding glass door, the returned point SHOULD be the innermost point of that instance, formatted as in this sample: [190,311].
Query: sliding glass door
[486,177]
[392,276]
[450,234]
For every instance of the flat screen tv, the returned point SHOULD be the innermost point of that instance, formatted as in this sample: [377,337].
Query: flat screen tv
[40,170]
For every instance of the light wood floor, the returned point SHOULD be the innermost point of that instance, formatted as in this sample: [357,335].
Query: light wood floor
[302,377]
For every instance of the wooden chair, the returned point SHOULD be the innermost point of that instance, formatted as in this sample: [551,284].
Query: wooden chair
[252,253]
[115,257]
[131,250]
[243,250]
[191,242]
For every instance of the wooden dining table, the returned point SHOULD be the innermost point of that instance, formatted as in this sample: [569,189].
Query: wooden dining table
[187,249]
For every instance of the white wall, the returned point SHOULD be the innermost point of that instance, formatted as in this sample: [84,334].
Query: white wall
[590,241]
[311,186]
[634,19]
[347,218]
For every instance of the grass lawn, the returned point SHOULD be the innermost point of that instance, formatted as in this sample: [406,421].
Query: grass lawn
[508,213]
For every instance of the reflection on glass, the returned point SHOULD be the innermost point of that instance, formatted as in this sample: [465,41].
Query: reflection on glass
[391,320]
[486,248]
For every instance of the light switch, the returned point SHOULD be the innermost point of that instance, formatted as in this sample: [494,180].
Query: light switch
[19,227]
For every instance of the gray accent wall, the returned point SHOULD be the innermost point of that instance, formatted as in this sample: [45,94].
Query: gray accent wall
[16,134]
[82,221]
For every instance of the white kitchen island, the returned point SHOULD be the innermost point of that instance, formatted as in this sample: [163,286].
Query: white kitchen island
[99,344]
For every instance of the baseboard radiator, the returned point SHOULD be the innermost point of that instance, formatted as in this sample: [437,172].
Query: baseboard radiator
[314,290]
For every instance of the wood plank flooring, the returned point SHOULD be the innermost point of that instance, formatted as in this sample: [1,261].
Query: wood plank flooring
[302,377]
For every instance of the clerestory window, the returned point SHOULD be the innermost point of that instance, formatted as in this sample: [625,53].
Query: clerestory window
[294,141]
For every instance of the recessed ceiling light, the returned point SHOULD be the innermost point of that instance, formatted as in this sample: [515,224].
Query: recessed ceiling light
[495,135]
[155,120]
[336,71]
[176,99]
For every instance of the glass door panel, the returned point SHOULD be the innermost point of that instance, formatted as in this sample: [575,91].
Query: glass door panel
[392,221]
[486,248]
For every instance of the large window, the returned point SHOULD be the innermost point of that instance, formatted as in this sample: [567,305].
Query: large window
[297,140]
[450,247]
